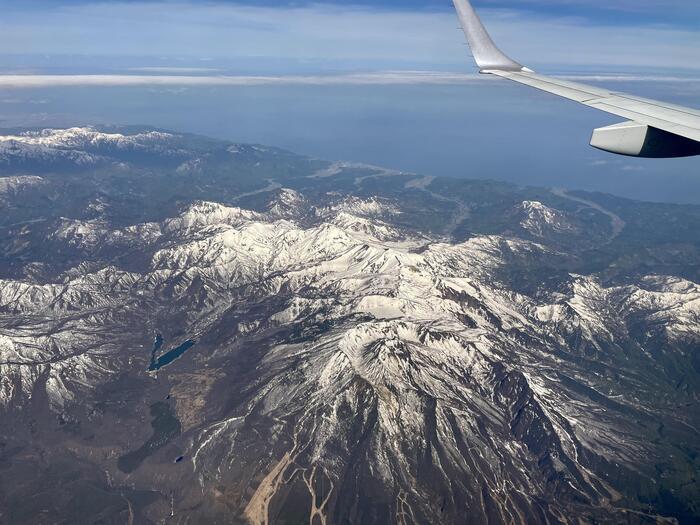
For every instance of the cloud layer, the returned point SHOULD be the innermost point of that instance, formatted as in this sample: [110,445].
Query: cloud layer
[383,78]
[357,79]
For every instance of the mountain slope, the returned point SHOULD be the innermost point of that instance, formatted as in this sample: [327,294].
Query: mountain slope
[325,346]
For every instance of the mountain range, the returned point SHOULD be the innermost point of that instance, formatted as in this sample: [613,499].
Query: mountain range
[195,331]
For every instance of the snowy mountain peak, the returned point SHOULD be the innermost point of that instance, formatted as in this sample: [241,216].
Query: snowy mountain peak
[10,186]
[202,214]
[80,146]
[372,207]
[540,220]
[81,137]
[289,204]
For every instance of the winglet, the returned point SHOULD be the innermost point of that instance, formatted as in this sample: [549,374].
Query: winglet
[486,54]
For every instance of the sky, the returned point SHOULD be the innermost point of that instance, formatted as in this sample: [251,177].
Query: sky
[388,82]
[296,36]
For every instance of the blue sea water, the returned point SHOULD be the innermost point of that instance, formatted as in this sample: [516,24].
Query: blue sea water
[490,129]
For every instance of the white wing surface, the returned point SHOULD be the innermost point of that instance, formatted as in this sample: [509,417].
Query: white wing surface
[653,129]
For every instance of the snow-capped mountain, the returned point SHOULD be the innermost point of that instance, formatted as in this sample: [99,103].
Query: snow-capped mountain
[332,349]
[85,147]
[539,220]
[73,142]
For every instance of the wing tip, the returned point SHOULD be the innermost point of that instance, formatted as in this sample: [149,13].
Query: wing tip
[486,54]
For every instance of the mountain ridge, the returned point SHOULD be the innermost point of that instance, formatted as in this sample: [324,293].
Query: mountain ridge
[364,346]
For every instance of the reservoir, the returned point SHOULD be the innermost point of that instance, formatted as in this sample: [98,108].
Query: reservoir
[169,356]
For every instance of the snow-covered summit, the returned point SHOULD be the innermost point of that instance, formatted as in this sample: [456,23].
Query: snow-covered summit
[82,146]
[82,137]
[540,220]
[366,207]
[11,185]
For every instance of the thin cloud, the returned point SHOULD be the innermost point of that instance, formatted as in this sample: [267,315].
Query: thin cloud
[678,7]
[175,70]
[336,34]
[382,78]
[631,78]
[356,79]
[24,101]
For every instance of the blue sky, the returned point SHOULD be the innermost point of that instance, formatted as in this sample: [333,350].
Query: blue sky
[673,12]
[388,34]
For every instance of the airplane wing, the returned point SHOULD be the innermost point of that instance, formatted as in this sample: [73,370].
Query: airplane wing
[653,129]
